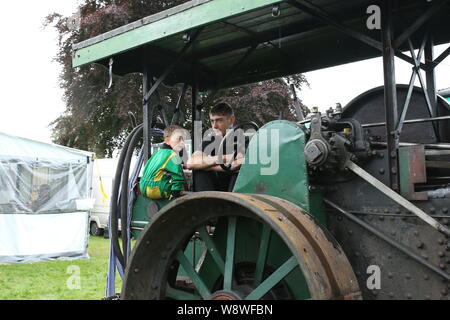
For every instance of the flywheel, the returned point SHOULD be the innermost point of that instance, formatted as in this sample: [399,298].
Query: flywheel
[227,246]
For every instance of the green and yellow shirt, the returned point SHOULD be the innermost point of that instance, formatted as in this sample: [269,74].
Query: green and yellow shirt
[163,175]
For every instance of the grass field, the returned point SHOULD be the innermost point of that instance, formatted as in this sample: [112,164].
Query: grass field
[49,280]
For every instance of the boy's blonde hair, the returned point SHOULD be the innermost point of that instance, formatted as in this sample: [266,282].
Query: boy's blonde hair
[169,131]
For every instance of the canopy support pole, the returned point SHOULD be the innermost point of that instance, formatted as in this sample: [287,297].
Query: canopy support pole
[390,95]
[148,113]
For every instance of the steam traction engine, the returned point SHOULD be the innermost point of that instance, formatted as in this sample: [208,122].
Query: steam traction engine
[358,207]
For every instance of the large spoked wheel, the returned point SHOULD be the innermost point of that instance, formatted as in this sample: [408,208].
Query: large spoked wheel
[218,246]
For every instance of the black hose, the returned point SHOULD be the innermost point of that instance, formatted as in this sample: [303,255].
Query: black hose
[132,119]
[136,136]
[114,198]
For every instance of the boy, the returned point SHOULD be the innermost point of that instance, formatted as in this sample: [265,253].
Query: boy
[163,176]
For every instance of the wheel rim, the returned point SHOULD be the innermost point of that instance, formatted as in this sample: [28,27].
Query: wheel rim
[252,248]
[94,229]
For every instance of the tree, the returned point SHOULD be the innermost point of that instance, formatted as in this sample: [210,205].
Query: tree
[97,119]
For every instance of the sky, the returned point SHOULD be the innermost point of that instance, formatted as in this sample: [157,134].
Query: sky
[30,98]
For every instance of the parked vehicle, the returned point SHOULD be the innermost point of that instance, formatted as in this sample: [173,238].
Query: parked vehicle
[103,179]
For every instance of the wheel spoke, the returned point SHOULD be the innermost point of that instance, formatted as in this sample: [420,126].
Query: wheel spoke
[177,294]
[229,264]
[274,279]
[190,271]
[212,249]
[262,255]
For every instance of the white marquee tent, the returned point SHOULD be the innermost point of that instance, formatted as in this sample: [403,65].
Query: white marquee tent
[45,193]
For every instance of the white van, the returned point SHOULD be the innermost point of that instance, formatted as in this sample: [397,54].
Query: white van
[104,172]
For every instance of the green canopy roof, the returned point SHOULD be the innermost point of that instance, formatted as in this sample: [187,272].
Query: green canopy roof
[230,30]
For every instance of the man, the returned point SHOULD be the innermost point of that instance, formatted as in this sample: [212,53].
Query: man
[208,174]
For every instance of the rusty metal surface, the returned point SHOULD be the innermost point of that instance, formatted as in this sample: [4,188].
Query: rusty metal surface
[324,264]
[412,171]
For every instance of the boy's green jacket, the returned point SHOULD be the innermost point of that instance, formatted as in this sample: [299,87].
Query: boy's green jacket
[163,174]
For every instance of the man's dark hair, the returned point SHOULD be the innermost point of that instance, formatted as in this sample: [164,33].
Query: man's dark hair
[222,109]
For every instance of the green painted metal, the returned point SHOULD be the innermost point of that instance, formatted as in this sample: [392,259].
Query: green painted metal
[262,255]
[249,234]
[196,279]
[411,159]
[181,295]
[140,217]
[274,279]
[231,246]
[283,142]
[212,249]
[405,183]
[193,252]
[231,27]
[196,17]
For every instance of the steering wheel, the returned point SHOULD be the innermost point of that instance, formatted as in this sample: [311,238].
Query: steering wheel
[240,146]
